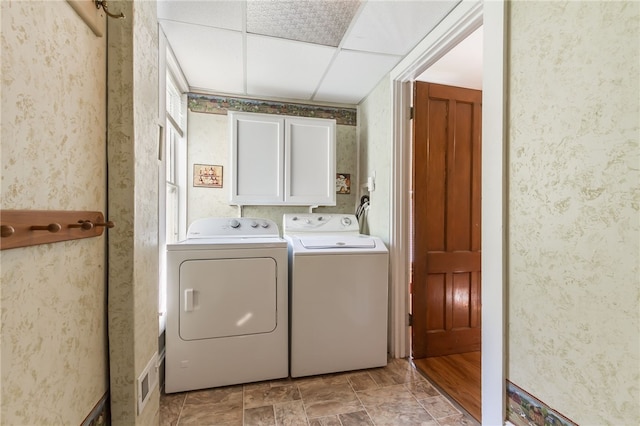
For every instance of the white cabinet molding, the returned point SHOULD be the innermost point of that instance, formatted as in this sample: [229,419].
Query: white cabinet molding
[282,160]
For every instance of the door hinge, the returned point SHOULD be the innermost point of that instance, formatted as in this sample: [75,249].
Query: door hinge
[410,113]
[410,320]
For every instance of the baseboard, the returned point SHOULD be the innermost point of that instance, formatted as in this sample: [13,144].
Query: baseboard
[101,413]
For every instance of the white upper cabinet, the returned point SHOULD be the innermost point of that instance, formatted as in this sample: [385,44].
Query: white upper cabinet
[282,160]
[257,159]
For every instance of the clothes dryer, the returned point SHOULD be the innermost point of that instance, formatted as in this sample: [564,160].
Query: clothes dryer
[227,312]
[338,292]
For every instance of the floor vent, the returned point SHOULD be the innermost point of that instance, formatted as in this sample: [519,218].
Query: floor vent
[147,381]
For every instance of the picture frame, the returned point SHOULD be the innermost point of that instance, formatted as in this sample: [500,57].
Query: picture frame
[207,175]
[343,183]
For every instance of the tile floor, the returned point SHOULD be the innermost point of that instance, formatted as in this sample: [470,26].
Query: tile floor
[394,395]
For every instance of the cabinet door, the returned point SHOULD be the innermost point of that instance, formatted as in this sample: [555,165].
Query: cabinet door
[257,156]
[310,163]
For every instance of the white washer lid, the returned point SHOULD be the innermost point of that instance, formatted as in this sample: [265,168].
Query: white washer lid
[337,241]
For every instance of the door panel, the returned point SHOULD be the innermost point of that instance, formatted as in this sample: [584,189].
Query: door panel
[227,297]
[446,211]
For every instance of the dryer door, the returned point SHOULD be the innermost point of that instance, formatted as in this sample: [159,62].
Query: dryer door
[227,297]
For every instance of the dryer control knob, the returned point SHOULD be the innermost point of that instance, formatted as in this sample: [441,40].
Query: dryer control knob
[234,223]
[254,224]
[265,224]
[346,221]
[320,218]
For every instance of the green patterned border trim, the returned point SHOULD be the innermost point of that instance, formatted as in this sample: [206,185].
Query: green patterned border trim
[212,104]
[525,409]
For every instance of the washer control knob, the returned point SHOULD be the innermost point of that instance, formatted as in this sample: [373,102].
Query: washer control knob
[294,218]
[254,224]
[307,221]
[234,223]
[346,221]
[265,224]
[320,218]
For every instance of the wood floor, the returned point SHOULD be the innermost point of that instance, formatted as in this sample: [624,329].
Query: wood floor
[458,376]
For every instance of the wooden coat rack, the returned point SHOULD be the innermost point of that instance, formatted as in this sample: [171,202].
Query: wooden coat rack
[22,228]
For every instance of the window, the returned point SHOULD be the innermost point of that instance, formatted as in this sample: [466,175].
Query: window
[172,169]
[174,147]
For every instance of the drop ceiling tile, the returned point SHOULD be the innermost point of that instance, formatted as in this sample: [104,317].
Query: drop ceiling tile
[312,21]
[284,68]
[226,14]
[395,27]
[353,75]
[210,58]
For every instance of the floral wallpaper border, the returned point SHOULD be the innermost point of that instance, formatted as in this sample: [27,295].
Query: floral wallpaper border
[213,104]
[523,409]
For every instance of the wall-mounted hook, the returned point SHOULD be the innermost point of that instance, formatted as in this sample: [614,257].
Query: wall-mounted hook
[7,230]
[52,227]
[108,224]
[103,4]
[84,224]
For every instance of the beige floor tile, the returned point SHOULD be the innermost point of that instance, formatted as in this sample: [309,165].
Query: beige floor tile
[326,399]
[457,420]
[362,381]
[400,413]
[170,407]
[395,394]
[260,416]
[209,415]
[387,376]
[229,394]
[357,418]
[403,370]
[325,421]
[290,413]
[219,406]
[394,405]
[266,395]
[422,389]
[325,378]
[439,407]
[336,378]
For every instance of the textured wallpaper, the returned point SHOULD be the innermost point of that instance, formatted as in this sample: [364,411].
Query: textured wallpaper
[208,143]
[133,201]
[375,155]
[53,336]
[574,309]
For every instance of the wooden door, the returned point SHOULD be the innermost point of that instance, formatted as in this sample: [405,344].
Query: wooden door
[446,220]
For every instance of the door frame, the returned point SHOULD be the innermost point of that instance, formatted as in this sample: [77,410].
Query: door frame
[461,22]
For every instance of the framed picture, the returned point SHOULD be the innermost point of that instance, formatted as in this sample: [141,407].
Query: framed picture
[343,183]
[207,176]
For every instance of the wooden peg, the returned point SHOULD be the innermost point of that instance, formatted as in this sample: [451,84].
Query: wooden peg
[108,224]
[84,224]
[7,230]
[52,227]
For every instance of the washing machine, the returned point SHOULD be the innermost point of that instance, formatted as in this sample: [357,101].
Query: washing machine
[227,309]
[338,295]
